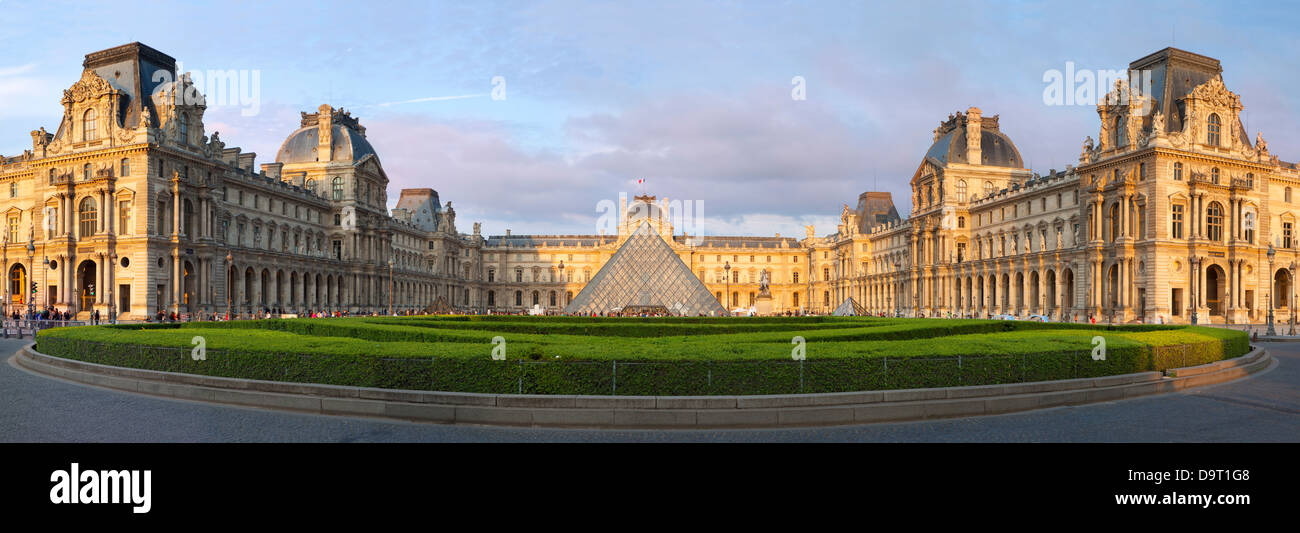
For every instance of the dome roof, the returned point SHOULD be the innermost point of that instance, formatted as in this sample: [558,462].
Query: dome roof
[642,209]
[301,146]
[996,148]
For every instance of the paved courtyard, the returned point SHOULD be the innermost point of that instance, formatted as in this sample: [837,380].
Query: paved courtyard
[1262,408]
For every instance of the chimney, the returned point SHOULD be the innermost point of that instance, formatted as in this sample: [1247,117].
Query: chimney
[245,161]
[973,154]
[272,170]
[325,133]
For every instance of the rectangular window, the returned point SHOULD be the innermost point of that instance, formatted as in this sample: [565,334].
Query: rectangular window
[1176,227]
[162,218]
[1177,300]
[1286,234]
[124,217]
[124,298]
[13,229]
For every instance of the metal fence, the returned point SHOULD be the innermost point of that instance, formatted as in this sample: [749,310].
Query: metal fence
[28,328]
[636,378]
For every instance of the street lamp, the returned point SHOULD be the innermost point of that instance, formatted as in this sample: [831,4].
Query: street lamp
[112,306]
[31,260]
[229,284]
[727,268]
[1271,253]
[390,287]
[45,275]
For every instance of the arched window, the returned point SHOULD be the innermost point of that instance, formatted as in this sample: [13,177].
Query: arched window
[988,188]
[1214,221]
[126,167]
[1119,132]
[1178,171]
[337,184]
[1213,136]
[1286,195]
[88,215]
[311,185]
[88,122]
[1142,171]
[961,191]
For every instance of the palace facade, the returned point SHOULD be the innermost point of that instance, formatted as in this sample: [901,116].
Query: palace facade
[1174,215]
[131,207]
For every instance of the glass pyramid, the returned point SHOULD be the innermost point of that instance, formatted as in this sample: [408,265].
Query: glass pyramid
[848,307]
[645,275]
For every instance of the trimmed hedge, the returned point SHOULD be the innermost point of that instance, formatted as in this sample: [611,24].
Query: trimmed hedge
[843,354]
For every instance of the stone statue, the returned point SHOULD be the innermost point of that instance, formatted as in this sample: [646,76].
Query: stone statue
[1260,143]
[764,281]
[809,229]
[1158,124]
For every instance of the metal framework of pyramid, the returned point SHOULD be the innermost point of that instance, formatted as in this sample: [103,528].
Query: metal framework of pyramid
[643,274]
[848,307]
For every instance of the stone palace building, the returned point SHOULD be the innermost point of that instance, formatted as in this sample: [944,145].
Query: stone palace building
[131,207]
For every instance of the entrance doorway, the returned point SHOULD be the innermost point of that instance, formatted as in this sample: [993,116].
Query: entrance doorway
[1214,285]
[86,280]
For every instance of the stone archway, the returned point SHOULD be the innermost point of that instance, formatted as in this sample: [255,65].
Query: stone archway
[187,287]
[1215,285]
[19,288]
[86,272]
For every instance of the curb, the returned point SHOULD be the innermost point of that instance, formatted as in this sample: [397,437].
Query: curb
[645,412]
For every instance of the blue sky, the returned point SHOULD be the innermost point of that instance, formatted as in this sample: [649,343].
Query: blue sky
[692,96]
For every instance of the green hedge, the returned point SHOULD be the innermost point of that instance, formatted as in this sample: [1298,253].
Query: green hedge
[352,352]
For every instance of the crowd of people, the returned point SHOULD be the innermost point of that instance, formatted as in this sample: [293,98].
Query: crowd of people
[52,314]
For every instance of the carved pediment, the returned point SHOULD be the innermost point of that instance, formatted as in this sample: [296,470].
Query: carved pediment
[88,87]
[1214,93]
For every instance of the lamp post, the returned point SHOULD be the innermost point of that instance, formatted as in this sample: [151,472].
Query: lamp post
[390,287]
[1271,253]
[561,279]
[45,275]
[31,260]
[727,298]
[229,285]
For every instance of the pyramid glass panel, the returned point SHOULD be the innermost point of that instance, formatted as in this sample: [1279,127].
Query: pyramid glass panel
[645,275]
[848,307]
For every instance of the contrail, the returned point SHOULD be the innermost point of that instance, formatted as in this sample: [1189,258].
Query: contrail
[431,99]
[10,71]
